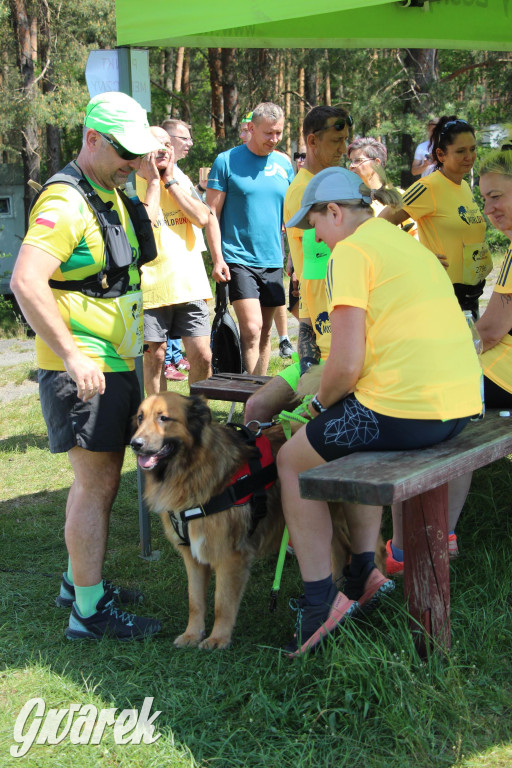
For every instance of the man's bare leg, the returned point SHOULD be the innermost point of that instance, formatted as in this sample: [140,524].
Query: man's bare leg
[199,355]
[250,321]
[90,499]
[154,359]
[267,314]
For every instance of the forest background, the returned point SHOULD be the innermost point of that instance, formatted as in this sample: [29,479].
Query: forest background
[391,93]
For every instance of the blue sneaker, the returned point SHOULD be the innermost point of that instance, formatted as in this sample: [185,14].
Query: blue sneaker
[110,621]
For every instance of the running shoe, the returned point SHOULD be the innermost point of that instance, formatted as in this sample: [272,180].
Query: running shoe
[110,621]
[314,622]
[172,373]
[285,348]
[183,364]
[396,567]
[375,586]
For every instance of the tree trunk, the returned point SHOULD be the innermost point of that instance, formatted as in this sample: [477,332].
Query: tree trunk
[287,104]
[230,92]
[421,65]
[24,35]
[327,79]
[178,75]
[167,66]
[301,110]
[185,87]
[53,153]
[215,69]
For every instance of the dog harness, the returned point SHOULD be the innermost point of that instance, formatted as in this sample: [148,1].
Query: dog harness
[249,484]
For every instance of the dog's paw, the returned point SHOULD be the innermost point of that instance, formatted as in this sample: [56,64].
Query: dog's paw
[189,640]
[215,642]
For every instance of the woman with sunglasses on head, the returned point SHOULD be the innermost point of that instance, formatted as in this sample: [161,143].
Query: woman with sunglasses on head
[401,374]
[450,223]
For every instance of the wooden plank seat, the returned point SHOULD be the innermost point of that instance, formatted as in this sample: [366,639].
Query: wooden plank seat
[418,479]
[235,387]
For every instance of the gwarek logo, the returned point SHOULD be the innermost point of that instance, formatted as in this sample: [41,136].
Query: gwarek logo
[81,724]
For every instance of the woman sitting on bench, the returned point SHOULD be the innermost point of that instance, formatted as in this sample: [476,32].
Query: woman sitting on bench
[402,373]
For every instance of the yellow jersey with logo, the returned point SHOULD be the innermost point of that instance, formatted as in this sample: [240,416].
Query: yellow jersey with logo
[313,305]
[109,331]
[420,362]
[450,224]
[497,362]
[178,274]
[292,203]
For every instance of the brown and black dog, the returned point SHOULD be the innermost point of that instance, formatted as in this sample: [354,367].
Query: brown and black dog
[188,459]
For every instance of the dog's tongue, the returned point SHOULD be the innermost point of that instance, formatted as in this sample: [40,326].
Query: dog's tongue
[147,462]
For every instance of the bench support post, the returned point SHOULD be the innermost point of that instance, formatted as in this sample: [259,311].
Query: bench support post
[426,571]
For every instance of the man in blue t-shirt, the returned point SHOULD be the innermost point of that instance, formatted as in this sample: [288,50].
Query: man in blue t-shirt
[246,189]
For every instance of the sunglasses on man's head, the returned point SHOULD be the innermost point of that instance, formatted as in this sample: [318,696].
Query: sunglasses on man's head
[339,124]
[121,151]
[299,155]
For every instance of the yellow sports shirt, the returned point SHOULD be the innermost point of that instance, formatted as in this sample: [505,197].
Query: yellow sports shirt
[497,362]
[292,203]
[420,362]
[450,224]
[313,305]
[177,275]
[109,331]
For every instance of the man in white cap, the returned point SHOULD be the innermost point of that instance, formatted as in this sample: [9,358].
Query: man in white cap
[79,289]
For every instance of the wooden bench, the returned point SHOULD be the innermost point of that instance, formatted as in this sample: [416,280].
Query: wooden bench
[419,480]
[235,387]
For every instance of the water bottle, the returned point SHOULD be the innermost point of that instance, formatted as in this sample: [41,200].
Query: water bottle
[479,348]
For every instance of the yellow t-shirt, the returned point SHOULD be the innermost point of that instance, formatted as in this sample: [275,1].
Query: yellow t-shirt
[497,362]
[449,223]
[177,275]
[292,203]
[109,331]
[420,362]
[313,305]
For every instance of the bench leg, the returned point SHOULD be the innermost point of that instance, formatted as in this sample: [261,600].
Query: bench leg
[426,571]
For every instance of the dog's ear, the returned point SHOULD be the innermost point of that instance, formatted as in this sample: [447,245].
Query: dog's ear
[198,416]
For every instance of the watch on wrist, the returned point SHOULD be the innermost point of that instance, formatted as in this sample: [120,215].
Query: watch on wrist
[317,405]
[169,183]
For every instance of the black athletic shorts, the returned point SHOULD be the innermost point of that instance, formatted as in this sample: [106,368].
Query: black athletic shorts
[254,283]
[103,423]
[348,427]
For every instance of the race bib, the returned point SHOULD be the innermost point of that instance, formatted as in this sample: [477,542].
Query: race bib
[476,263]
[130,309]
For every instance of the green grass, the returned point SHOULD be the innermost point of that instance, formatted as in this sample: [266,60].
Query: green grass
[367,701]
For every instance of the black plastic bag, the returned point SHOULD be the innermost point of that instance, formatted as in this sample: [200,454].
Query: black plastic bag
[224,339]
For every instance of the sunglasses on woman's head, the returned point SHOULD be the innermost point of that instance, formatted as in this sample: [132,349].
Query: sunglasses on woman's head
[339,124]
[451,123]
[121,151]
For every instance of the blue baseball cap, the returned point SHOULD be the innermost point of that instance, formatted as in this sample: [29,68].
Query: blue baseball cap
[329,186]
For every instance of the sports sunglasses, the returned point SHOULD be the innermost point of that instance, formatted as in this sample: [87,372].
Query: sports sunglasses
[121,151]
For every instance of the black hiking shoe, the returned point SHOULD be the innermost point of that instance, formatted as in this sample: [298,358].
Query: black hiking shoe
[110,621]
[120,595]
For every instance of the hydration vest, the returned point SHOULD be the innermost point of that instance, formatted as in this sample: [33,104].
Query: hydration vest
[113,280]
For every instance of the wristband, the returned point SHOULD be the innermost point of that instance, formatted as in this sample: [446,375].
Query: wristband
[169,183]
[317,405]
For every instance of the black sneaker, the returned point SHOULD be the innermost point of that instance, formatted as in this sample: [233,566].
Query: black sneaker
[110,621]
[285,348]
[314,622]
[121,595]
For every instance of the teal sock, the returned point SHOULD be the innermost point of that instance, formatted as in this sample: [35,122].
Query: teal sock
[70,572]
[87,599]
[398,554]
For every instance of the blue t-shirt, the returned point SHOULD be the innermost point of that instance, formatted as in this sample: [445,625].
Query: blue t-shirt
[252,217]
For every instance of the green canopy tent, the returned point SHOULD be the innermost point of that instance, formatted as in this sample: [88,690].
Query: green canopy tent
[458,24]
